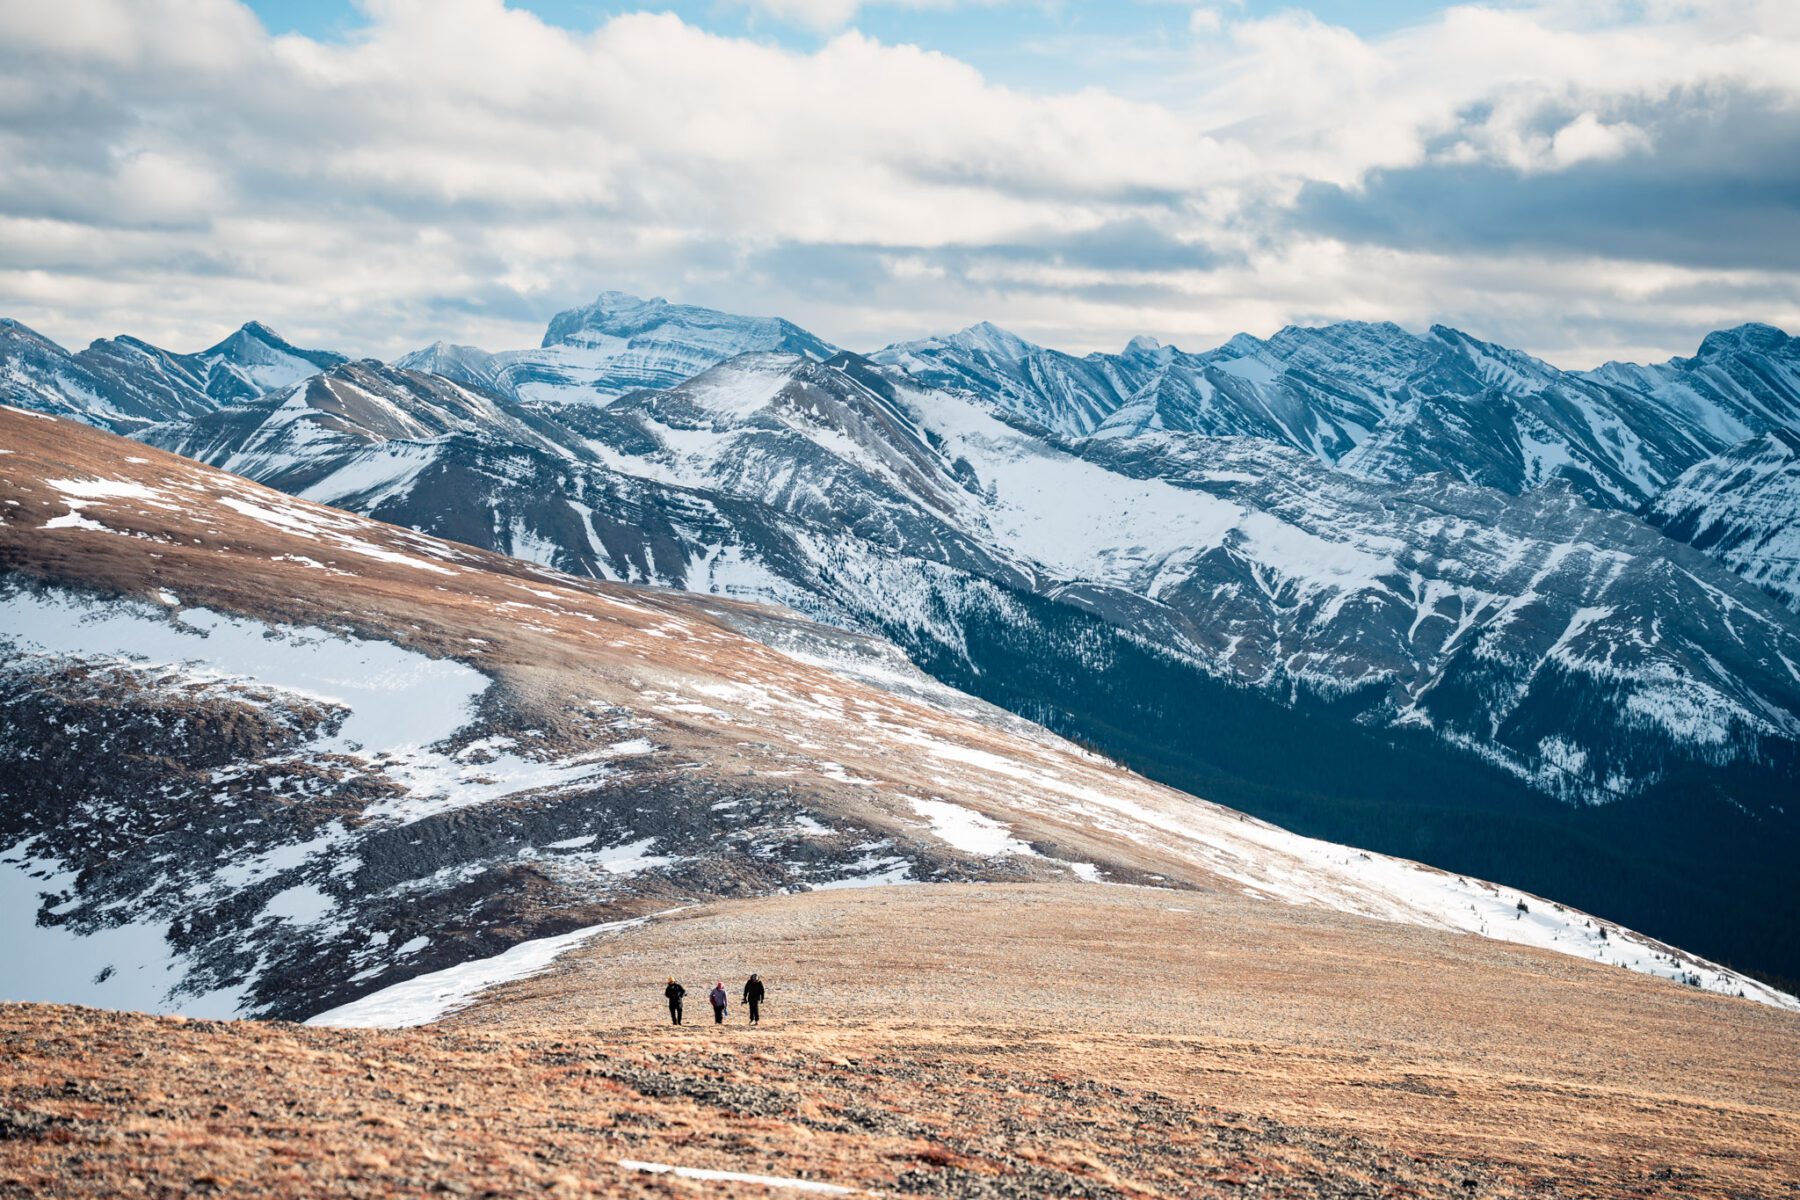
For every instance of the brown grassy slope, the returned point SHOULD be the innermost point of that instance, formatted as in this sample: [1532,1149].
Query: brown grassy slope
[986,1040]
[1435,1039]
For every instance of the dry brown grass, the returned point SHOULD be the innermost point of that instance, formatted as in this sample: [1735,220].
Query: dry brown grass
[982,1040]
[1434,1040]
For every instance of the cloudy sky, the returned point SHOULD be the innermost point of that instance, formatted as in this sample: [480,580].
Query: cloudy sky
[1585,180]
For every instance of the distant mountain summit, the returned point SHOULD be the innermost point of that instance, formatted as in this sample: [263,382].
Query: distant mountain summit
[124,383]
[468,365]
[1059,392]
[615,315]
[255,360]
[615,345]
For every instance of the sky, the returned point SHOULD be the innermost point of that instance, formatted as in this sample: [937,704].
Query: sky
[1584,180]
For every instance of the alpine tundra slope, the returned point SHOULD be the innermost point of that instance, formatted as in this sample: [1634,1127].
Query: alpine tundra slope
[266,757]
[1052,1038]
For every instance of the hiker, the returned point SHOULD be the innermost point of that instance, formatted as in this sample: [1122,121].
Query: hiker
[718,1002]
[753,997]
[674,992]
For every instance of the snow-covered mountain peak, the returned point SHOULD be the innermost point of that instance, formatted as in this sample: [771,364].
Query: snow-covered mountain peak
[470,365]
[440,349]
[988,338]
[617,301]
[1145,346]
[1460,363]
[1340,333]
[15,330]
[255,342]
[609,312]
[616,320]
[619,344]
[127,341]
[740,387]
[1752,337]
[1475,350]
[117,383]
[1239,345]
[255,359]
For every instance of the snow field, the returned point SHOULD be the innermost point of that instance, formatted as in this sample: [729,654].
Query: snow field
[426,998]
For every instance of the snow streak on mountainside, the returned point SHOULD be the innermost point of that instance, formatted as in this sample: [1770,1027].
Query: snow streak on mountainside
[124,384]
[1743,508]
[344,754]
[615,345]
[297,437]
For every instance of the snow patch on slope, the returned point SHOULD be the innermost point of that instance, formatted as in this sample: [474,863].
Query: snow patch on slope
[127,966]
[430,997]
[967,830]
[398,704]
[1273,863]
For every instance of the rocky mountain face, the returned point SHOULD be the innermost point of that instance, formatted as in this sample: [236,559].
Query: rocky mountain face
[1384,403]
[264,757]
[317,427]
[1742,506]
[1236,554]
[617,344]
[125,384]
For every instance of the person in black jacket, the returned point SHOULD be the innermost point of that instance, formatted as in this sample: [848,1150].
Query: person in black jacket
[753,997]
[674,992]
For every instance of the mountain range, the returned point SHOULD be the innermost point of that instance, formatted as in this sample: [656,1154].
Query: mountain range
[124,383]
[268,758]
[1414,592]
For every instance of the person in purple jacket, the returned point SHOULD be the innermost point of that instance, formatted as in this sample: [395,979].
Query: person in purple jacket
[719,1000]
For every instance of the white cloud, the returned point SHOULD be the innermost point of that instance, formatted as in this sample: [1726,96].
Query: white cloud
[815,14]
[835,14]
[1206,20]
[1587,138]
[458,169]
